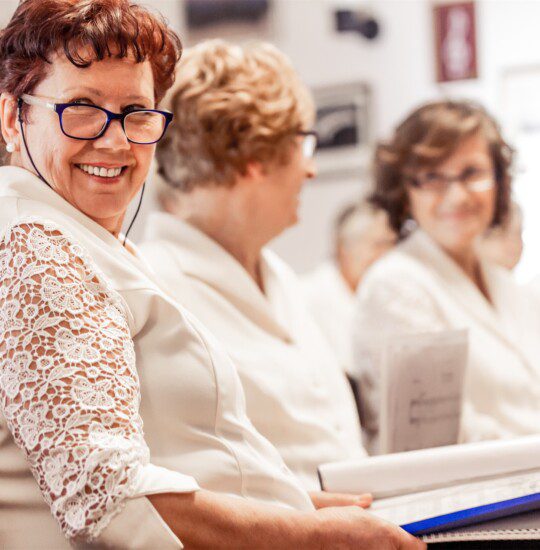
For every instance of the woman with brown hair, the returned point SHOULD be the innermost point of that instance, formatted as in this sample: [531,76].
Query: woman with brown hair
[444,179]
[89,344]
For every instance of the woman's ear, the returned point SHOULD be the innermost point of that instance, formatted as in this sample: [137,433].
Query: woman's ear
[254,170]
[8,121]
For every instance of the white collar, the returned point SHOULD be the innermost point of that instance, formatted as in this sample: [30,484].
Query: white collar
[202,258]
[21,183]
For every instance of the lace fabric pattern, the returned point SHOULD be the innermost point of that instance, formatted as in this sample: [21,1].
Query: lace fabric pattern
[69,390]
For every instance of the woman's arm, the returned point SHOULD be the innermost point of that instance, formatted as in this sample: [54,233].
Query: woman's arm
[204,520]
[69,389]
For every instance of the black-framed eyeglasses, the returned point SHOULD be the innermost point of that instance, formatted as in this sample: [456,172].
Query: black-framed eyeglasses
[87,122]
[309,143]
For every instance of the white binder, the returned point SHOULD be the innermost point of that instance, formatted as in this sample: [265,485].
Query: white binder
[459,485]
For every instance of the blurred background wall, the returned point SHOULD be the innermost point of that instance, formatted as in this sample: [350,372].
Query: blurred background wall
[398,68]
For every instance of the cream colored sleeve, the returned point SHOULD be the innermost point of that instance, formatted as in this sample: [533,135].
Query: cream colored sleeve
[69,390]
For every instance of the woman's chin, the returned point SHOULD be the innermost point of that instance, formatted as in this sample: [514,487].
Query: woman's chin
[105,210]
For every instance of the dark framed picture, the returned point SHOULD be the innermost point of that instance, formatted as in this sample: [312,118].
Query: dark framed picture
[455,41]
[343,126]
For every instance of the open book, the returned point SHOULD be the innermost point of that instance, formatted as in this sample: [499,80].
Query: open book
[441,493]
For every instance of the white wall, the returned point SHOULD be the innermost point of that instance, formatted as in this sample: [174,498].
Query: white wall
[399,66]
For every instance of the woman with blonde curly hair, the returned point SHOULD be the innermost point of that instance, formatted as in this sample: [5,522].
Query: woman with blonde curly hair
[234,166]
[444,178]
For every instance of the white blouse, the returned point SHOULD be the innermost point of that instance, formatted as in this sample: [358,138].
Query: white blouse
[332,304]
[297,396]
[418,288]
[83,329]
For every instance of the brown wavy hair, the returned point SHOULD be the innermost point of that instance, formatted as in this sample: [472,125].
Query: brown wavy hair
[427,137]
[85,31]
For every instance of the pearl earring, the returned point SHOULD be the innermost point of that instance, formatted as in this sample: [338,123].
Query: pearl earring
[10,147]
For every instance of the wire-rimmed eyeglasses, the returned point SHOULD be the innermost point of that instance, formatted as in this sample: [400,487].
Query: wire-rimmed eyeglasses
[473,179]
[87,122]
[309,143]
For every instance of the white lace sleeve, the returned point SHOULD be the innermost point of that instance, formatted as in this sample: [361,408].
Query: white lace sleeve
[69,390]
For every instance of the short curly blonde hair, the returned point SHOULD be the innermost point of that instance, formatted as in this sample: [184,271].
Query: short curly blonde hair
[232,105]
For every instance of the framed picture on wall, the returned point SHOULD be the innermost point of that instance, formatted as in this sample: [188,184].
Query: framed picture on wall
[343,126]
[455,41]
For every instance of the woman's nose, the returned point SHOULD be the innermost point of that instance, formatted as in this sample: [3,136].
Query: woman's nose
[457,192]
[113,138]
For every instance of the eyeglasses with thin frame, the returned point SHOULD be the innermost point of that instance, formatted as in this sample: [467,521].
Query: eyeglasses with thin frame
[309,143]
[87,122]
[474,179]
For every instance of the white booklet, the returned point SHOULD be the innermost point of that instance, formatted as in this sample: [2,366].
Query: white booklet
[422,390]
[442,493]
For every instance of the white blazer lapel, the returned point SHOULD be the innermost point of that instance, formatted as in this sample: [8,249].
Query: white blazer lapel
[456,283]
[200,257]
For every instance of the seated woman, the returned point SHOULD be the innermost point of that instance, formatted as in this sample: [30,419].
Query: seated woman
[362,235]
[444,179]
[84,329]
[234,164]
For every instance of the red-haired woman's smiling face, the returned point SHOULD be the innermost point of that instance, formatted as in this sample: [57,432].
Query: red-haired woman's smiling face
[98,177]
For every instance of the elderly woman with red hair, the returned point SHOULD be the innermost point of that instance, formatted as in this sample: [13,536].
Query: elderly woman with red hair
[85,330]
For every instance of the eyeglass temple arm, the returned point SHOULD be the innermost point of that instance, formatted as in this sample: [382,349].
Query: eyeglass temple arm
[32,100]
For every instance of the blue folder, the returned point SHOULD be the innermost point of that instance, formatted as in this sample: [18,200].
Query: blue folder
[471,516]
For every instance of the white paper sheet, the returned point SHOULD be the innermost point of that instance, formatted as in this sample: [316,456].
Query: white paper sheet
[421,390]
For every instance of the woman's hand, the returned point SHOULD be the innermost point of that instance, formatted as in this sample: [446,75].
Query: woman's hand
[348,528]
[322,499]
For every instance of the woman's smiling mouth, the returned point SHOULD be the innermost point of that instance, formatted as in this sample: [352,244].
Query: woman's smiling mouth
[101,171]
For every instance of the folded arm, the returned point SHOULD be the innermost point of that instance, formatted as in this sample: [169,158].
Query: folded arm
[69,390]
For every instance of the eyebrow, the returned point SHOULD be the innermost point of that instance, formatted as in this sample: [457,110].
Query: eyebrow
[99,93]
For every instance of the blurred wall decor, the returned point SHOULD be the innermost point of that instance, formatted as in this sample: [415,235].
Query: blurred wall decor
[455,41]
[359,21]
[343,127]
[203,13]
[234,20]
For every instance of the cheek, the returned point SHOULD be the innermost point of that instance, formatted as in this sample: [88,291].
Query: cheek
[144,155]
[489,204]
[423,207]
[53,152]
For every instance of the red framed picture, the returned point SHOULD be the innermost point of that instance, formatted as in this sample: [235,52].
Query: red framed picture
[455,41]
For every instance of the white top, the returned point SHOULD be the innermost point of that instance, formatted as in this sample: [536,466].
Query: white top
[418,288]
[84,329]
[296,394]
[332,304]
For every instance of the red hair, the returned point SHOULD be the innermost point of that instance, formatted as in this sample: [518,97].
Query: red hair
[85,31]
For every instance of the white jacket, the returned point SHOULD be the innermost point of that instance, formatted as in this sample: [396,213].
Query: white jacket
[418,288]
[296,394]
[85,331]
[332,304]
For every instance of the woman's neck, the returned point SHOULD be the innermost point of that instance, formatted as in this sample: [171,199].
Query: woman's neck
[226,218]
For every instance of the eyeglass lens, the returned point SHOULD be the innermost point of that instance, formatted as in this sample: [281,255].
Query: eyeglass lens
[87,122]
[309,145]
[476,179]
